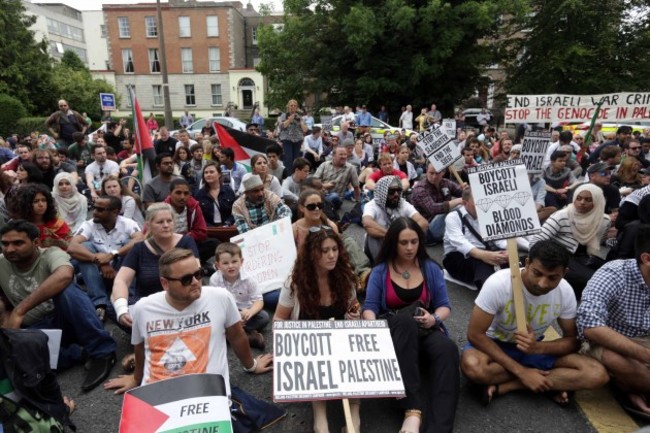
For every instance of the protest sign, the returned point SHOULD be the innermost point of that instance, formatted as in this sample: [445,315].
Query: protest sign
[269,252]
[326,121]
[438,148]
[194,402]
[616,107]
[533,150]
[334,359]
[107,101]
[449,126]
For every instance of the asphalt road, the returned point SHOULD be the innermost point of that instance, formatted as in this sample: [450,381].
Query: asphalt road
[99,410]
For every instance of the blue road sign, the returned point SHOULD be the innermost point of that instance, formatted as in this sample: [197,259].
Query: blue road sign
[107,101]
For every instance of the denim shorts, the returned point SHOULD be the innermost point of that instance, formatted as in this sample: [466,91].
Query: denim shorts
[541,362]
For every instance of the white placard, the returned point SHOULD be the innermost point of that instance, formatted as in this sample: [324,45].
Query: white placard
[533,150]
[439,148]
[269,253]
[326,121]
[616,107]
[449,126]
[333,359]
[504,202]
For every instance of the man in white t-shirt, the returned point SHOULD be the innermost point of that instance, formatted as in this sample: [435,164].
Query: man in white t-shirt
[183,330]
[387,206]
[406,119]
[502,359]
[98,170]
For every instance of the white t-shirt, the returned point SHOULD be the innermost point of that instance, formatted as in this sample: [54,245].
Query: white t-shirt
[104,241]
[496,298]
[192,341]
[101,172]
[407,119]
[381,217]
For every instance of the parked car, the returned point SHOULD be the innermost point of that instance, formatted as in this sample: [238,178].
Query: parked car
[377,128]
[470,117]
[197,126]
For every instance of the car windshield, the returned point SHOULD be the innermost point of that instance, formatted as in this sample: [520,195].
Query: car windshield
[224,122]
[199,124]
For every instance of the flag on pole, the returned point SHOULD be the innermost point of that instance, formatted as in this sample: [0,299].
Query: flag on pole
[243,144]
[143,144]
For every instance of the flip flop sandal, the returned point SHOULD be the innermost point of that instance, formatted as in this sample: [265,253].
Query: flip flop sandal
[553,396]
[69,404]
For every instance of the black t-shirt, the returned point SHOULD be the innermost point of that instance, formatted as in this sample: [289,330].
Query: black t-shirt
[168,146]
[115,141]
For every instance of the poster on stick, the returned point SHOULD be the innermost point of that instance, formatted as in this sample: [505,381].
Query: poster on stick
[533,150]
[449,127]
[616,107]
[438,148]
[194,402]
[334,359]
[504,203]
[269,252]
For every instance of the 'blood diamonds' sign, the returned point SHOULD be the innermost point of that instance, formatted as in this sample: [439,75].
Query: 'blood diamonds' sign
[439,148]
[533,150]
[504,202]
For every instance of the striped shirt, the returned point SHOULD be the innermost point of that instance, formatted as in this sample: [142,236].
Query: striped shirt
[616,297]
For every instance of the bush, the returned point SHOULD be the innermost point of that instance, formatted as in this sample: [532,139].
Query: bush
[12,111]
[27,125]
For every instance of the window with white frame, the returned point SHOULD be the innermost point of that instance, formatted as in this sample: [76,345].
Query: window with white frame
[154,60]
[127,61]
[254,35]
[216,94]
[186,60]
[214,55]
[124,27]
[151,27]
[157,95]
[184,30]
[190,97]
[212,24]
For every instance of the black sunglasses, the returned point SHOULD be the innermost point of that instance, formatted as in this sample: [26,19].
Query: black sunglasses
[314,206]
[392,191]
[319,228]
[102,209]
[186,280]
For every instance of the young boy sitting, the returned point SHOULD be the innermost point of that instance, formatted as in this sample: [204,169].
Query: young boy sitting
[248,297]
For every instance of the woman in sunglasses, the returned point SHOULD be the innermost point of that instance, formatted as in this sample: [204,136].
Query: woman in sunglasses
[322,286]
[310,210]
[407,288]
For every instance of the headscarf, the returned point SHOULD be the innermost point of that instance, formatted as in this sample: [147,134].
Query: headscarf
[71,204]
[381,196]
[586,227]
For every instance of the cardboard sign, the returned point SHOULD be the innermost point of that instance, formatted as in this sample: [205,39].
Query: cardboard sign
[449,127]
[269,252]
[504,202]
[333,359]
[107,101]
[533,150]
[616,107]
[438,147]
[326,121]
[195,402]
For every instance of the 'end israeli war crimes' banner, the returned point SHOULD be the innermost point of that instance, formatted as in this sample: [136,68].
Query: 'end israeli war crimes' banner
[504,203]
[616,107]
[333,359]
[438,147]
[533,150]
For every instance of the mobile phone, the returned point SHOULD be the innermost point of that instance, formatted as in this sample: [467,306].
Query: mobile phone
[418,312]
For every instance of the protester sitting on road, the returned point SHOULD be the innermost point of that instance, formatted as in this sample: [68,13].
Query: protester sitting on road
[407,288]
[111,186]
[38,282]
[613,318]
[336,175]
[502,359]
[291,185]
[581,228]
[257,206]
[403,164]
[216,199]
[386,168]
[234,170]
[628,211]
[260,167]
[27,172]
[71,204]
[97,171]
[559,180]
[158,188]
[181,157]
[322,286]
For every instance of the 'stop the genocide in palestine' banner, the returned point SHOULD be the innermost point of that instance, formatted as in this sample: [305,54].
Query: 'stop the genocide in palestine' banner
[616,107]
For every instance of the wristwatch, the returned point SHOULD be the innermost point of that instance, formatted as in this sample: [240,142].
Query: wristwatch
[438,319]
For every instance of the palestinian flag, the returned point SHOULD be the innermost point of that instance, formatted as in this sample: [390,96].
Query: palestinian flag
[244,145]
[194,402]
[143,144]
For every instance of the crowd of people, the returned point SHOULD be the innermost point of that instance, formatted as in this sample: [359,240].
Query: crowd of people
[144,254]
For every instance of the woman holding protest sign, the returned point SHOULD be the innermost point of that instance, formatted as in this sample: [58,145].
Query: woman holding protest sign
[407,289]
[322,258]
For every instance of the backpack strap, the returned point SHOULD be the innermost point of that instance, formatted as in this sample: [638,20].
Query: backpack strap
[488,245]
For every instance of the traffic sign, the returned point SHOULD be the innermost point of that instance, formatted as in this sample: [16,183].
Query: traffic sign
[107,101]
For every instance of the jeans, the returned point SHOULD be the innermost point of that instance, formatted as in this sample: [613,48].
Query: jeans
[334,199]
[257,322]
[271,299]
[75,315]
[291,151]
[436,228]
[467,269]
[96,285]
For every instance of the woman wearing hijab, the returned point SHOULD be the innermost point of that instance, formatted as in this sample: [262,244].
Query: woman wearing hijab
[581,228]
[72,205]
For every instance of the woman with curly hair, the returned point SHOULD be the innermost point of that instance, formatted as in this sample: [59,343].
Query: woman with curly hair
[322,286]
[181,157]
[34,203]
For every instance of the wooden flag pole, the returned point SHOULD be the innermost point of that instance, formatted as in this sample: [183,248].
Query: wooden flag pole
[454,172]
[348,416]
[517,285]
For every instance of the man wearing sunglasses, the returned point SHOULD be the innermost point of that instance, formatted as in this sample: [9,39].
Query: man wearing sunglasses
[633,150]
[200,315]
[99,246]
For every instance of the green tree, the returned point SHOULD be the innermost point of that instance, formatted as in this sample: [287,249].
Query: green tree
[75,84]
[12,110]
[580,47]
[25,66]
[389,52]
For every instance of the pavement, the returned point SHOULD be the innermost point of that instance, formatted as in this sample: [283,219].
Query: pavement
[99,410]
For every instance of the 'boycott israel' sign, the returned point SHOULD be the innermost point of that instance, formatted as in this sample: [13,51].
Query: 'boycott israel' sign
[438,147]
[533,150]
[333,359]
[504,203]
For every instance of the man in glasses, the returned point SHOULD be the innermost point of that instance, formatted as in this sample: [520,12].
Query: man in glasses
[64,122]
[253,129]
[387,206]
[633,150]
[204,318]
[99,246]
[257,206]
[97,171]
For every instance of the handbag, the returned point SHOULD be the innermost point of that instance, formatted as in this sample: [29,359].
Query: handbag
[410,310]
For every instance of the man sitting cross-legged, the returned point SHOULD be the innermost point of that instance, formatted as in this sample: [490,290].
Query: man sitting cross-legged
[502,359]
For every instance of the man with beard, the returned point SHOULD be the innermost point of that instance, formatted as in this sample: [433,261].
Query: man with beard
[99,170]
[64,122]
[43,160]
[387,206]
[257,206]
[158,188]
[99,246]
